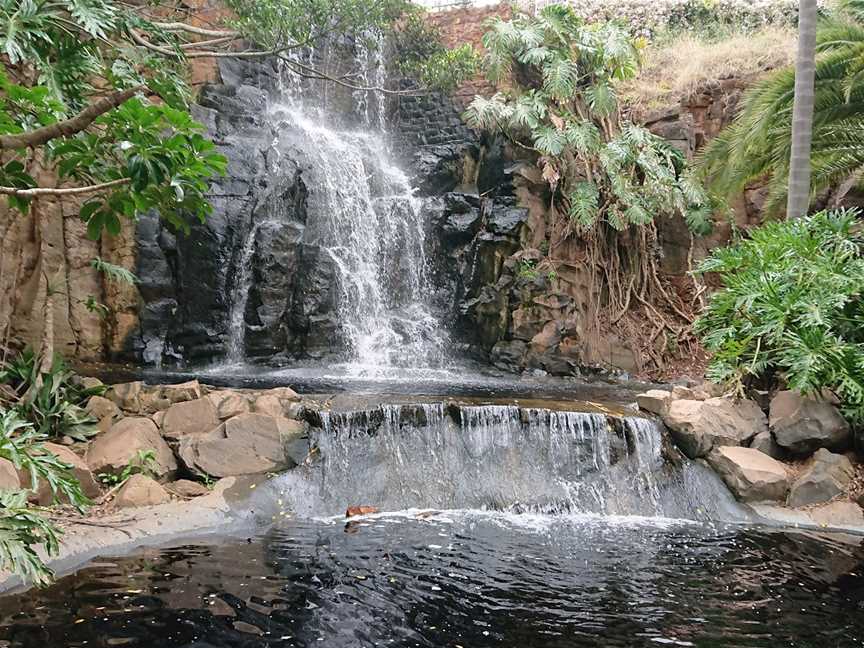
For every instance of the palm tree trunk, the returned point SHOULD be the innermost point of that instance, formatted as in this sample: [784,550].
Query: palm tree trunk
[798,200]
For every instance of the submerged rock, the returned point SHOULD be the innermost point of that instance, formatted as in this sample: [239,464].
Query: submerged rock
[140,490]
[699,426]
[750,474]
[111,452]
[802,424]
[823,480]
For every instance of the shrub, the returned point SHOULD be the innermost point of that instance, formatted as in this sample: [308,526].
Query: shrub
[790,311]
[54,401]
[22,528]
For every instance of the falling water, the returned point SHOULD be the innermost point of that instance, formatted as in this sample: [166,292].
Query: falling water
[506,458]
[363,213]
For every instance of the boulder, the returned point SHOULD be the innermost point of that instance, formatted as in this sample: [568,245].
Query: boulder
[699,426]
[228,403]
[838,515]
[268,404]
[655,401]
[285,393]
[750,474]
[764,442]
[103,410]
[182,392]
[8,476]
[822,480]
[244,445]
[802,424]
[140,490]
[190,417]
[127,396]
[80,470]
[112,451]
[680,392]
[187,488]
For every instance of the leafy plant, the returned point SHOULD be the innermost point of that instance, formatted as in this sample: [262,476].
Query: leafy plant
[609,179]
[53,402]
[143,463]
[420,53]
[528,269]
[23,528]
[757,145]
[790,311]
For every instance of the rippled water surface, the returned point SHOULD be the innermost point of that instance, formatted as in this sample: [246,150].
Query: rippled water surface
[470,579]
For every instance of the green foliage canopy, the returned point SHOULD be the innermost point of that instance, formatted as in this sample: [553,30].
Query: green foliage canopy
[562,105]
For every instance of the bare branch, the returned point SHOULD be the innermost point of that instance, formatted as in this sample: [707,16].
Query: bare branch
[200,31]
[69,126]
[61,191]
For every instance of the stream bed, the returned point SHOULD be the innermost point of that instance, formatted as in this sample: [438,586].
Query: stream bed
[467,578]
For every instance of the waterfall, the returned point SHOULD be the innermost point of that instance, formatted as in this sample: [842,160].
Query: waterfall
[452,456]
[364,216]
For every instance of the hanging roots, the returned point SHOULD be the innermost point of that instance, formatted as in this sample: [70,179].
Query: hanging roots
[629,298]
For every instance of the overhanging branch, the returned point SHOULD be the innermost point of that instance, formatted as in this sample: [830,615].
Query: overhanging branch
[69,126]
[35,192]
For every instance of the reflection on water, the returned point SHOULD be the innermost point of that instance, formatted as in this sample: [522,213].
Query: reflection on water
[471,579]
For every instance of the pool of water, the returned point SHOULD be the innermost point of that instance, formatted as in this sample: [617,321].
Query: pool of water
[473,579]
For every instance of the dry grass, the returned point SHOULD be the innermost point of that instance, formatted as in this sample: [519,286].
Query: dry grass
[676,69]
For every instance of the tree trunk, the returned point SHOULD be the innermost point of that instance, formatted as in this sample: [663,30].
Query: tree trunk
[798,200]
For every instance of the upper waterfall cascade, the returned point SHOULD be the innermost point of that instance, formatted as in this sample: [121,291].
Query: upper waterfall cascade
[364,215]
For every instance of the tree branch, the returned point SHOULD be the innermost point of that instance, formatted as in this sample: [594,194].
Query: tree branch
[61,191]
[181,26]
[69,126]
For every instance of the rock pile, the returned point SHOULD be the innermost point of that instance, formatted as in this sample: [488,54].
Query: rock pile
[182,432]
[789,451]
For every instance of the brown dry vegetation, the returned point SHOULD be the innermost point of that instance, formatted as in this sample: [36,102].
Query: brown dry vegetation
[675,69]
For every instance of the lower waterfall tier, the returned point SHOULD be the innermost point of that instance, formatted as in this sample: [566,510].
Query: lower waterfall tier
[501,457]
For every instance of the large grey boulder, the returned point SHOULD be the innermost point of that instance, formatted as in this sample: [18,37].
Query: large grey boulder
[140,490]
[190,417]
[802,424]
[822,480]
[750,474]
[699,426]
[247,444]
[112,451]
